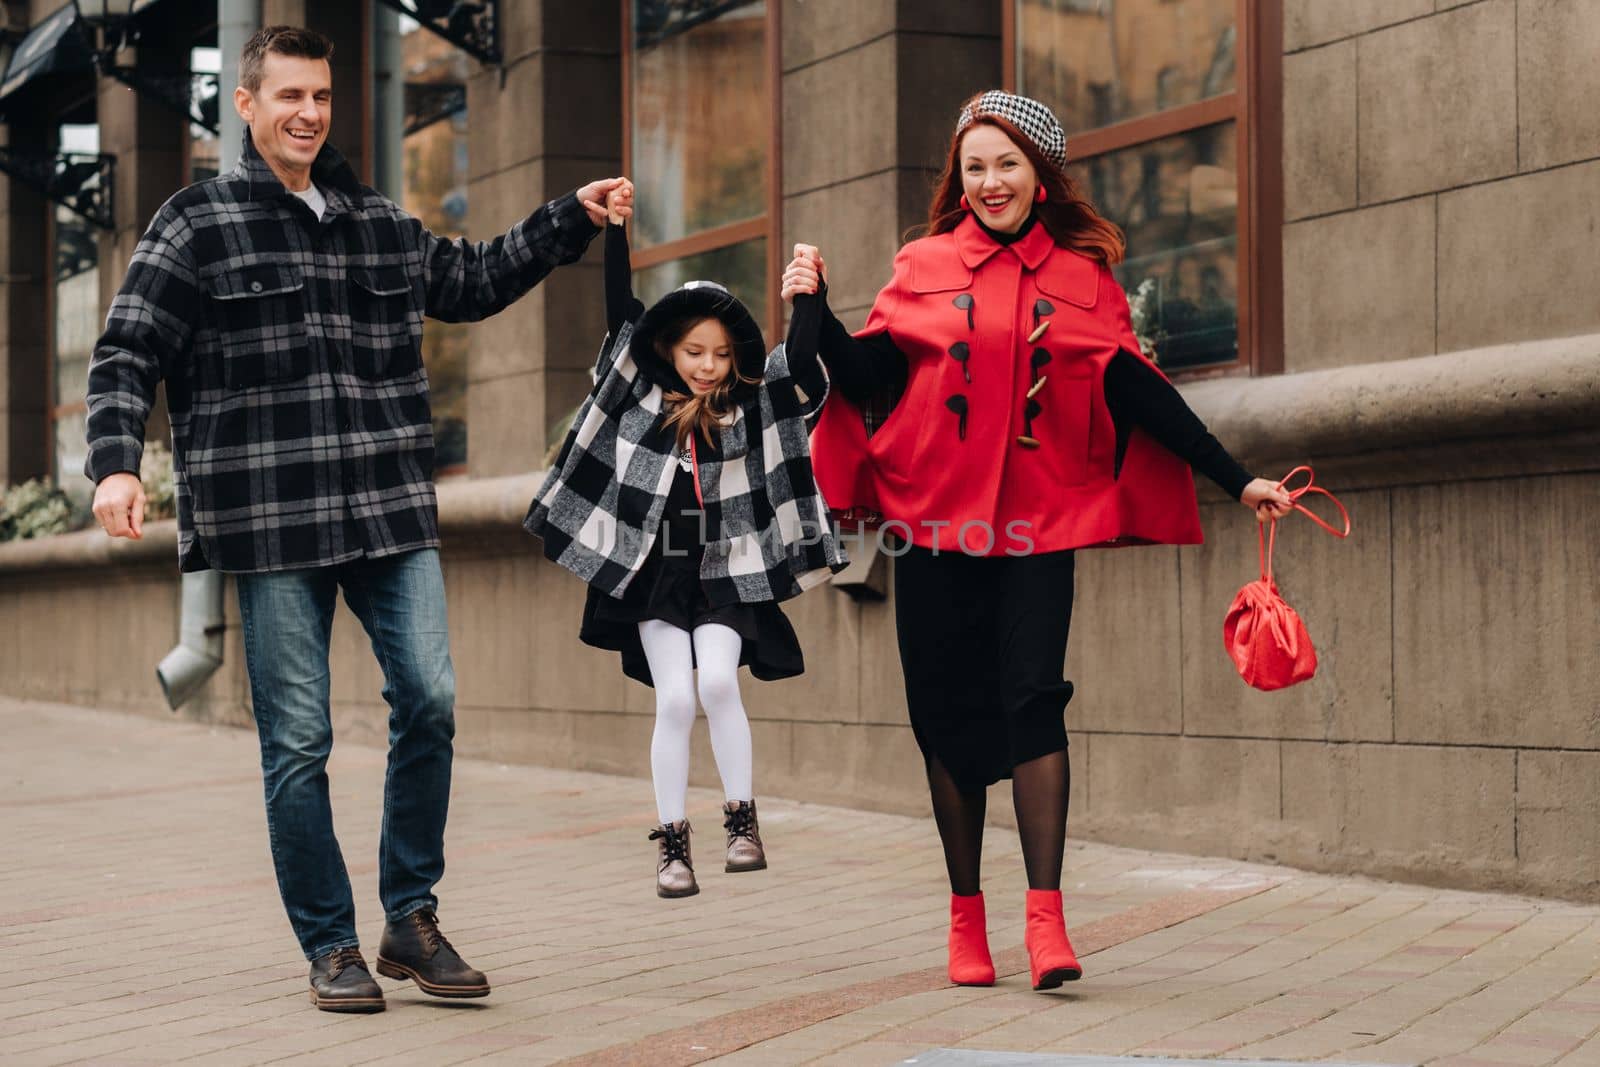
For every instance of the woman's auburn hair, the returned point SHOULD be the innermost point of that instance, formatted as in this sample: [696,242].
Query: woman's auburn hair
[694,413]
[1066,213]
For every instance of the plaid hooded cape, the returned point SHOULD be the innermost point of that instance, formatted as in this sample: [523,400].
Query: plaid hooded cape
[601,505]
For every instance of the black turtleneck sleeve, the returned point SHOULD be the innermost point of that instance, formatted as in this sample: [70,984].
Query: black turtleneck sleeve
[862,369]
[1136,393]
[621,305]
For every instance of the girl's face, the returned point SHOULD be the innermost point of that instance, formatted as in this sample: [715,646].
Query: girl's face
[997,178]
[704,357]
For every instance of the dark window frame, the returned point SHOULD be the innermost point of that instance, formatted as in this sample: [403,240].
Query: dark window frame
[1255,106]
[769,223]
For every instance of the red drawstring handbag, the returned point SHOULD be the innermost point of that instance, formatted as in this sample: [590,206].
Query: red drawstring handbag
[1264,636]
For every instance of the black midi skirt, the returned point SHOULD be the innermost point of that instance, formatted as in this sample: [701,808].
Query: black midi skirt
[983,644]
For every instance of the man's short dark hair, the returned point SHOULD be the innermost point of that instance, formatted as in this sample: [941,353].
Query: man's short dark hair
[284,41]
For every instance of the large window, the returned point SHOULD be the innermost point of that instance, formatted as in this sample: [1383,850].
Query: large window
[434,189]
[700,130]
[203,155]
[1171,112]
[74,325]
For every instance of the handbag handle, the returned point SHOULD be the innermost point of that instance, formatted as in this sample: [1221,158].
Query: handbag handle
[1266,542]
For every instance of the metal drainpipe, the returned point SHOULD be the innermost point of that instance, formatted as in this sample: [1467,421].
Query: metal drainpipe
[185,670]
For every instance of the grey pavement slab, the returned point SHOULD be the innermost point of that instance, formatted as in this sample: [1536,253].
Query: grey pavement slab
[143,927]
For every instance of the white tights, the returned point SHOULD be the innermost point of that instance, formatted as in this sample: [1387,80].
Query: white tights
[672,654]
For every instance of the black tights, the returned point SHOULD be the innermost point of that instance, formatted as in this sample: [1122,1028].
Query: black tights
[1039,791]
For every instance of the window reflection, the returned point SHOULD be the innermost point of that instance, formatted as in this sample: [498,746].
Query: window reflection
[76,324]
[205,153]
[699,115]
[1098,62]
[740,268]
[435,191]
[1177,202]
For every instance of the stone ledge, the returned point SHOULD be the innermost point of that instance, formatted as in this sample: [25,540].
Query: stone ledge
[1530,407]
[1542,388]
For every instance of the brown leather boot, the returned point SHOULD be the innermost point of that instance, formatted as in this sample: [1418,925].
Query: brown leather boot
[415,948]
[674,865]
[340,981]
[744,837]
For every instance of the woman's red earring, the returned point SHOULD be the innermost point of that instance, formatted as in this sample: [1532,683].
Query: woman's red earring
[1038,196]
[964,205]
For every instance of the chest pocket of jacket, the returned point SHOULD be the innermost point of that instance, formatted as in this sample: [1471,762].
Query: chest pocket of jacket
[259,310]
[383,342]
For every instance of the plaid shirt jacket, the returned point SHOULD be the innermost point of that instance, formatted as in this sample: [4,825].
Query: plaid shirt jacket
[292,352]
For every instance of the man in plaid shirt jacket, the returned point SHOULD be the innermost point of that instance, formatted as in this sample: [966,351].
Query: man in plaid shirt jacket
[283,305]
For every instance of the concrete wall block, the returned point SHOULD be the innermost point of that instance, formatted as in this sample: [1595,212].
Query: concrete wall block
[1438,100]
[591,128]
[510,342]
[958,17]
[591,27]
[13,595]
[1307,23]
[505,433]
[506,197]
[573,300]
[492,629]
[832,763]
[1557,78]
[522,26]
[827,624]
[1125,652]
[1430,812]
[824,143]
[1494,612]
[614,743]
[1359,287]
[1319,131]
[564,390]
[568,674]
[858,239]
[1155,791]
[1558,832]
[883,683]
[22,454]
[817,29]
[1509,255]
[506,125]
[524,735]
[124,656]
[1339,589]
[936,75]
[524,337]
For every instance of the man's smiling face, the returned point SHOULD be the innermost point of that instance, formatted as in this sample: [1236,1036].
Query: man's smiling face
[289,114]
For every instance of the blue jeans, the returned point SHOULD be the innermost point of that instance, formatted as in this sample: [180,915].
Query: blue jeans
[288,617]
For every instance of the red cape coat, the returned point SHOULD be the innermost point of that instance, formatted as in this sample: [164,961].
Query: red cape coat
[918,470]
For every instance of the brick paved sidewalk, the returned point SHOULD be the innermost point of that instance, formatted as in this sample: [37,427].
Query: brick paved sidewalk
[143,927]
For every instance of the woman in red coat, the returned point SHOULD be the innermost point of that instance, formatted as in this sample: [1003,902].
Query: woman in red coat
[1025,424]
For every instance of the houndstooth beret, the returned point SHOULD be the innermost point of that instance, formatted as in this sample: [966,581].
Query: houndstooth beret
[1037,122]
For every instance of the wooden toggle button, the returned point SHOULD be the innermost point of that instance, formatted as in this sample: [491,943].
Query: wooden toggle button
[1027,442]
[1038,331]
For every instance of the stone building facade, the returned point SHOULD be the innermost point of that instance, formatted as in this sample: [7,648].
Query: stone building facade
[1370,232]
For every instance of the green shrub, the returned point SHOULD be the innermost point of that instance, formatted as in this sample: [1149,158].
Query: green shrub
[34,509]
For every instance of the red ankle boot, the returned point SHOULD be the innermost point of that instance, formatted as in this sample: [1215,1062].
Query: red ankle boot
[969,942]
[1050,954]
